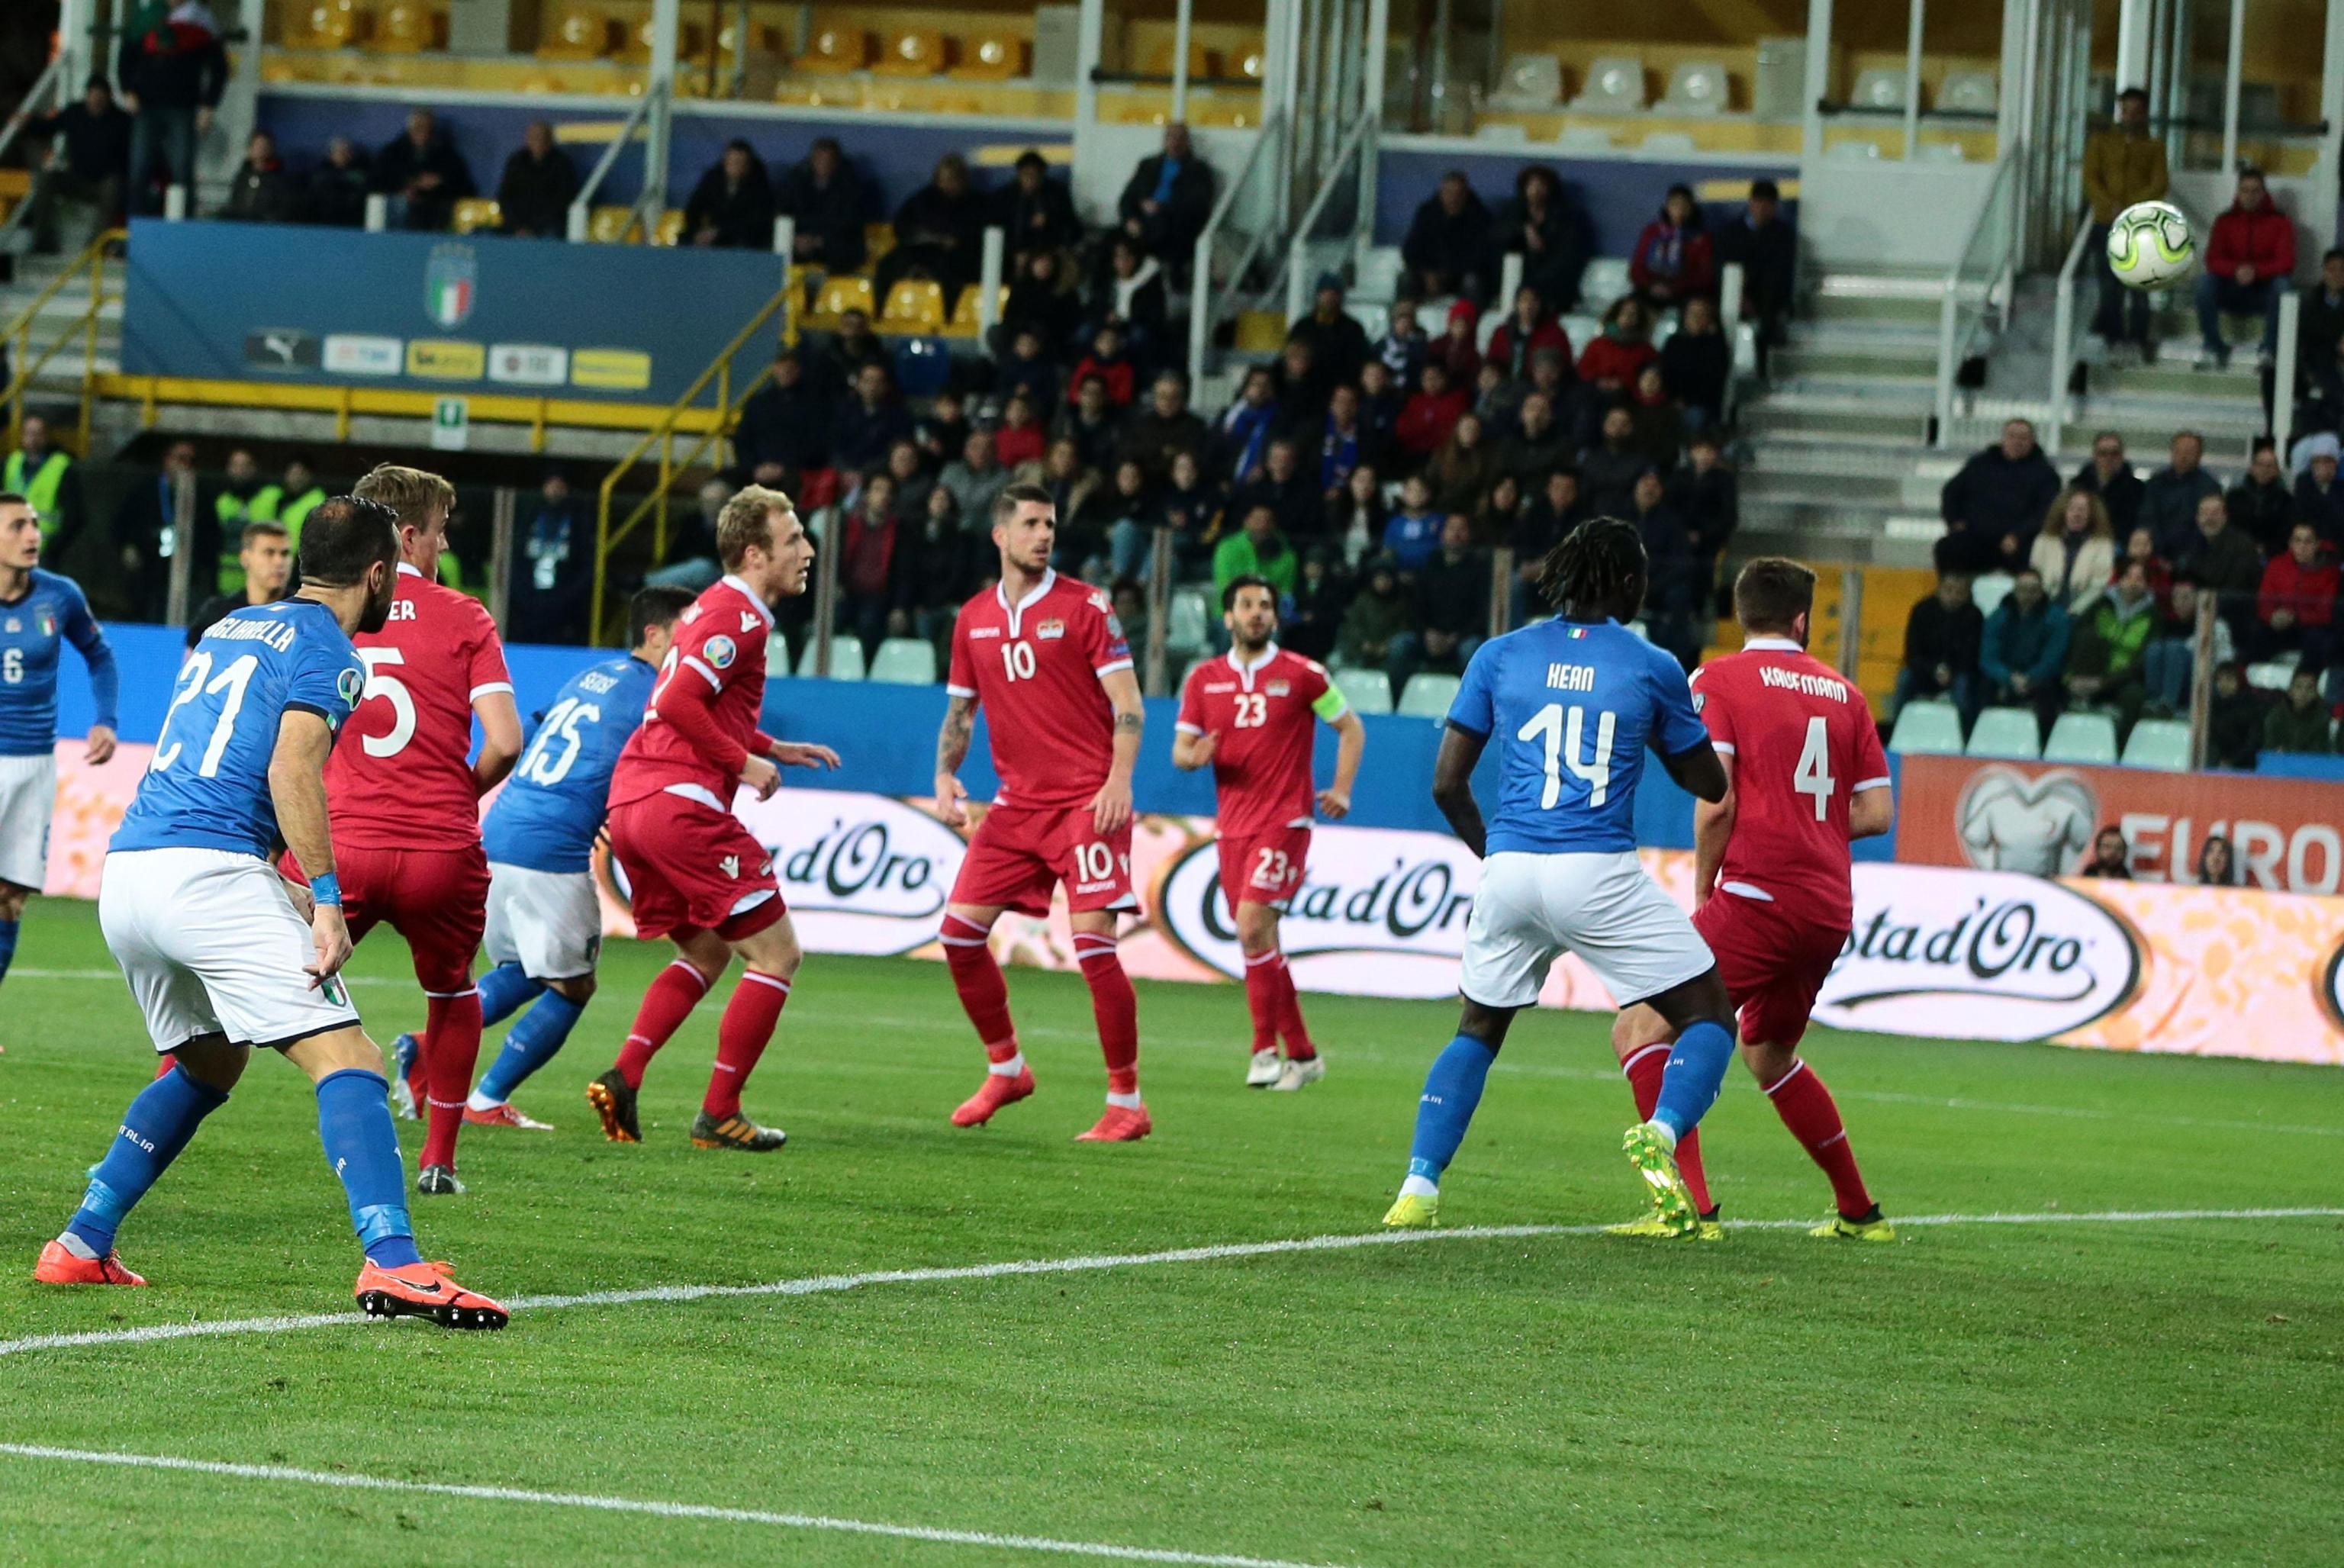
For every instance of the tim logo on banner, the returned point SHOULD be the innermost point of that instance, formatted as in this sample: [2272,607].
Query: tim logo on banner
[450,280]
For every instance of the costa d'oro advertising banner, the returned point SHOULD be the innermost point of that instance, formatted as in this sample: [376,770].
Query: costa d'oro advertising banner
[1933,951]
[2040,818]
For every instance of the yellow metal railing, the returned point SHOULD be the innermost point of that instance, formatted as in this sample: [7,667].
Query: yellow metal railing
[675,422]
[18,333]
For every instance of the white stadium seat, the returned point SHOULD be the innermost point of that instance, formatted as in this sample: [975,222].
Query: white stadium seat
[1427,696]
[2159,743]
[845,658]
[1367,690]
[1927,729]
[2090,738]
[904,661]
[1696,88]
[1614,85]
[2010,732]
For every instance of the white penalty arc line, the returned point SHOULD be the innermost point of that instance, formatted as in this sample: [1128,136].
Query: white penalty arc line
[350,1482]
[833,1284]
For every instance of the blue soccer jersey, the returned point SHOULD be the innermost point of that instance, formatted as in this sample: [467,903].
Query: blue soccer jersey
[1571,705]
[34,629]
[547,815]
[207,786]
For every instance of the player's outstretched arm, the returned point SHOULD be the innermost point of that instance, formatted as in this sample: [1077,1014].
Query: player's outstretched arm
[952,750]
[1452,785]
[1351,744]
[1713,826]
[1111,807]
[500,739]
[297,788]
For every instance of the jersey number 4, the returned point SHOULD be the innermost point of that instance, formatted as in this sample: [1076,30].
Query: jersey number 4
[1562,732]
[1814,777]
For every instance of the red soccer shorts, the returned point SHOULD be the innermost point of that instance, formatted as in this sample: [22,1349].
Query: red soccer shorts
[1021,853]
[1264,867]
[689,864]
[1773,967]
[436,898]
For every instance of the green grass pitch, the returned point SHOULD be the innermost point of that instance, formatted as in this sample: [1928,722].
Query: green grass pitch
[2095,1391]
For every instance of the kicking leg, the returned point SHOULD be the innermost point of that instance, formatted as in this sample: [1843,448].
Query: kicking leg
[528,1045]
[1699,1013]
[1641,1037]
[985,996]
[1452,1092]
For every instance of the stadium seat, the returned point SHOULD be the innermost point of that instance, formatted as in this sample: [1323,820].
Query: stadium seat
[1249,64]
[613,226]
[2008,732]
[1878,89]
[1367,690]
[406,27]
[1614,85]
[922,366]
[2273,674]
[1925,729]
[904,661]
[1188,624]
[1696,88]
[327,24]
[840,295]
[1969,92]
[846,657]
[670,227]
[1990,590]
[579,32]
[912,51]
[1532,83]
[1604,279]
[990,57]
[2088,738]
[477,212]
[2159,743]
[1158,61]
[834,52]
[1427,696]
[964,320]
[878,239]
[914,304]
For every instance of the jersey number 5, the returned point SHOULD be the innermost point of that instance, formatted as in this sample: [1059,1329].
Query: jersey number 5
[391,690]
[1814,777]
[1562,737]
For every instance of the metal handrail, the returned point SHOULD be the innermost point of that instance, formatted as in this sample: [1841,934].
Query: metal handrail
[1201,315]
[581,205]
[10,129]
[1298,249]
[664,433]
[1952,341]
[2066,342]
[27,365]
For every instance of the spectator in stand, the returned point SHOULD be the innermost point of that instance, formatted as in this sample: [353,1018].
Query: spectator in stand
[1133,293]
[1608,471]
[261,190]
[1762,245]
[552,568]
[1169,195]
[264,559]
[1092,423]
[975,479]
[2025,648]
[1447,249]
[2317,498]
[1428,418]
[1533,225]
[1676,588]
[1695,363]
[1494,520]
[1126,513]
[1659,424]
[145,530]
[1341,442]
[1452,610]
[46,474]
[1189,505]
[1412,533]
[1339,344]
[908,466]
[936,569]
[1291,494]
[870,422]
[869,539]
[1320,596]
[2111,856]
[540,182]
[2226,563]
[291,498]
[2122,164]
[1111,365]
[1164,428]
[2296,604]
[2322,406]
[690,562]
[1069,483]
[2140,547]
[423,173]
[2261,506]
[1458,348]
[1403,347]
[2250,262]
[1377,616]
[2234,726]
[1379,407]
[172,70]
[731,207]
[2107,658]
[1020,439]
[2300,723]
[2321,321]
[1544,523]
[1035,212]
[2214,867]
[1356,518]
[1259,549]
[1241,436]
[2172,657]
[1538,445]
[1027,372]
[851,347]
[1673,261]
[339,186]
[1463,468]
[781,428]
[824,200]
[1941,638]
[1527,328]
[939,235]
[89,160]
[1994,505]
[2169,500]
[2109,476]
[2075,553]
[1707,497]
[1130,602]
[942,430]
[1609,363]
[1304,384]
[1498,400]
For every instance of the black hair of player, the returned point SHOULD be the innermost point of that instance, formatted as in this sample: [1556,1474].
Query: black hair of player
[1243,581]
[1598,571]
[1024,492]
[345,535]
[1771,592]
[655,606]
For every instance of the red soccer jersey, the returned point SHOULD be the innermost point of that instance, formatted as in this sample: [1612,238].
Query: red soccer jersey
[1261,720]
[1034,668]
[400,776]
[1803,743]
[700,727]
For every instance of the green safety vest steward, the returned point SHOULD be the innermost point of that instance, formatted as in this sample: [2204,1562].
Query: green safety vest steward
[270,504]
[41,489]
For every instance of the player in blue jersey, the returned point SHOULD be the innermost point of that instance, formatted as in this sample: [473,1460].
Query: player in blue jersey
[39,612]
[545,924]
[1573,704]
[222,953]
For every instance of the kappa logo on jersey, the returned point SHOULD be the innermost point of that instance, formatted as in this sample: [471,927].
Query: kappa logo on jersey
[721,650]
[1049,631]
[350,684]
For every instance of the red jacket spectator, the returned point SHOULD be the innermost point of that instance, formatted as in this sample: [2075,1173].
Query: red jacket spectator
[2262,237]
[2309,590]
[1426,421]
[1508,349]
[1610,358]
[1014,444]
[1121,375]
[2160,580]
[1456,352]
[1678,255]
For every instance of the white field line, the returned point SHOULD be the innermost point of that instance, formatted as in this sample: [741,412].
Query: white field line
[641,1505]
[833,1284]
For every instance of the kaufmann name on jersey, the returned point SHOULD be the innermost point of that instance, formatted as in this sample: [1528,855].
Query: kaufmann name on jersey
[1806,684]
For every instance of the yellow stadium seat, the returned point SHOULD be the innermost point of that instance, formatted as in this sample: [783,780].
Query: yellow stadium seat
[964,323]
[840,295]
[991,57]
[477,212]
[914,304]
[728,42]
[1159,60]
[613,226]
[1262,331]
[670,226]
[691,43]
[327,24]
[1250,65]
[914,52]
[878,239]
[834,51]
[579,32]
[407,27]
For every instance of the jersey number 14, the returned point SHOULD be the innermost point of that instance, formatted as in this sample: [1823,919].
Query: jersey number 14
[1562,732]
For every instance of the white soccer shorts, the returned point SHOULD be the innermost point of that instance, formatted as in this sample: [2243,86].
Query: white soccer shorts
[28,793]
[211,945]
[1532,908]
[548,922]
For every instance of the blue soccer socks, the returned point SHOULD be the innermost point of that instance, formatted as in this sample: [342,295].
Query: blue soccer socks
[503,990]
[1696,1072]
[528,1045]
[362,1146]
[8,929]
[1452,1090]
[154,1130]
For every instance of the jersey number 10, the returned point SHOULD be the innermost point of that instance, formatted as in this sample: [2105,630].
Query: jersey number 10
[1561,731]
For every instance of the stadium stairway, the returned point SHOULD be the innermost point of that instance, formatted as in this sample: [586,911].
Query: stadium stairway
[61,378]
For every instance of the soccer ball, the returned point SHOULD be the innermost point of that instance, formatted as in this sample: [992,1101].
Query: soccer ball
[2149,245]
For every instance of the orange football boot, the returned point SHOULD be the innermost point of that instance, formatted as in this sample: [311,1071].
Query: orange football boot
[1121,1124]
[1000,1089]
[59,1266]
[425,1290]
[505,1116]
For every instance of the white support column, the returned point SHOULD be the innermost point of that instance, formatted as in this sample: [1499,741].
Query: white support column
[666,21]
[2320,204]
[2132,30]
[377,216]
[2230,82]
[1181,20]
[1089,39]
[1509,278]
[2283,370]
[1371,99]
[1819,34]
[988,286]
[1914,13]
[785,236]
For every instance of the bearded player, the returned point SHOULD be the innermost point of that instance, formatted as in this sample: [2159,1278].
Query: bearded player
[1249,714]
[696,874]
[406,798]
[1044,657]
[1771,873]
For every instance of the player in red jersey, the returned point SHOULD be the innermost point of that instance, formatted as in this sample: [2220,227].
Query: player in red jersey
[1771,871]
[404,793]
[1250,716]
[1048,661]
[696,874]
